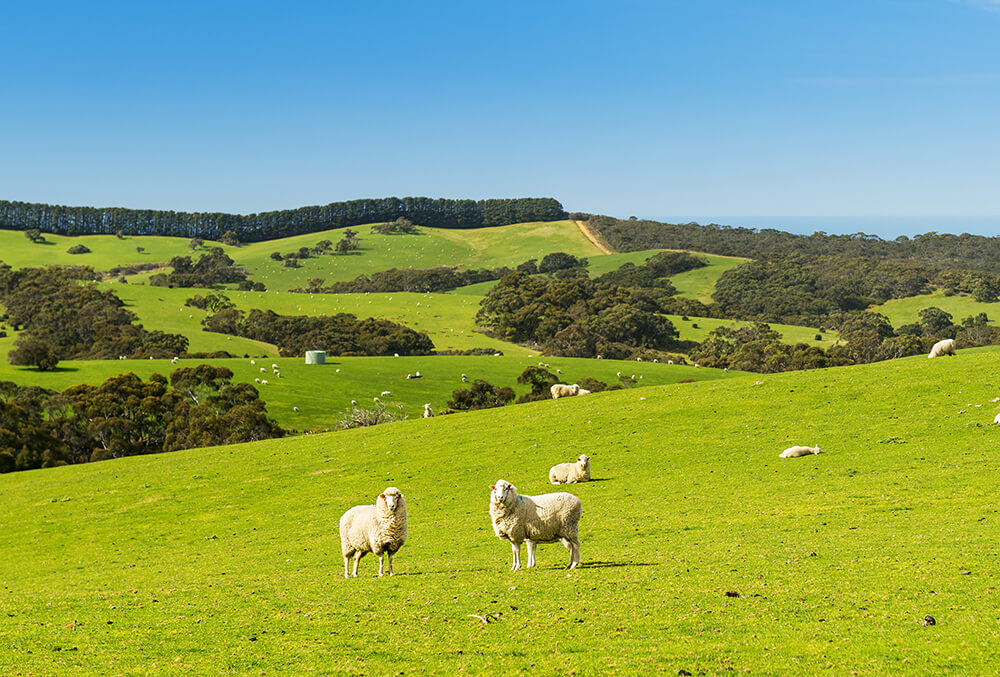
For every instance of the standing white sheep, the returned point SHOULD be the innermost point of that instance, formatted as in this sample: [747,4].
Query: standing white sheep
[945,347]
[535,519]
[562,390]
[795,452]
[379,528]
[428,412]
[571,472]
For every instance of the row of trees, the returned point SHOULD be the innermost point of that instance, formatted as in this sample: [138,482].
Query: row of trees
[126,416]
[439,213]
[340,334]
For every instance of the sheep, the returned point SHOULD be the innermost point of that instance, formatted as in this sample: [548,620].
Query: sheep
[263,381]
[582,391]
[386,393]
[996,419]
[428,412]
[295,408]
[945,347]
[562,390]
[535,519]
[571,472]
[796,451]
[274,366]
[262,370]
[379,529]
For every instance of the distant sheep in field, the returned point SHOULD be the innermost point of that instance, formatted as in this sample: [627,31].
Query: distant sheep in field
[274,366]
[428,412]
[379,529]
[945,347]
[562,390]
[262,370]
[795,452]
[583,391]
[386,393]
[535,519]
[571,472]
[996,419]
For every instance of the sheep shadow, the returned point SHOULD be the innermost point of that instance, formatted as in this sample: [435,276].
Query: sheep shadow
[606,565]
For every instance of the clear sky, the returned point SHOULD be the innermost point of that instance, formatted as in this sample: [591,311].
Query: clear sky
[649,108]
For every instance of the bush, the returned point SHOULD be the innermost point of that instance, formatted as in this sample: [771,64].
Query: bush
[78,249]
[481,395]
[358,417]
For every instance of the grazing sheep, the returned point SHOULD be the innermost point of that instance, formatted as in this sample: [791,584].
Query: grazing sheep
[263,381]
[670,361]
[795,452]
[274,366]
[379,528]
[262,370]
[386,393]
[996,419]
[428,412]
[562,390]
[295,408]
[354,403]
[584,391]
[535,519]
[945,347]
[253,361]
[571,472]
[257,379]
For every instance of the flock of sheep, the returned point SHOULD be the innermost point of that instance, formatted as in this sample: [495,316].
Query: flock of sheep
[381,529]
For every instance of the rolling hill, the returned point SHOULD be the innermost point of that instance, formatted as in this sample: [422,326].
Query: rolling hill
[702,551]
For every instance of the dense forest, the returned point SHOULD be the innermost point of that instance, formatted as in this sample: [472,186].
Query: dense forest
[438,213]
[973,252]
[126,416]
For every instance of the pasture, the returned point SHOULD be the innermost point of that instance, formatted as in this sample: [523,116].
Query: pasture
[906,311]
[702,550]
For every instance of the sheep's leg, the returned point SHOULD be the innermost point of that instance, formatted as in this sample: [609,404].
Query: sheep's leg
[516,548]
[390,564]
[380,558]
[357,558]
[574,554]
[347,571]
[531,553]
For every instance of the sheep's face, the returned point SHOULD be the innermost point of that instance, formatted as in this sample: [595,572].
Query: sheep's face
[584,461]
[503,492]
[392,498]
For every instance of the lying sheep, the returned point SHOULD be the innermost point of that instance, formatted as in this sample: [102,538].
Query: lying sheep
[535,519]
[945,347]
[379,528]
[584,391]
[571,472]
[386,393]
[562,390]
[795,452]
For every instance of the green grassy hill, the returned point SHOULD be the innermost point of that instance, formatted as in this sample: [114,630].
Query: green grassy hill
[227,560]
[906,311]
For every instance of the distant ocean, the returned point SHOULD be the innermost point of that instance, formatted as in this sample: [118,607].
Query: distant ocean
[885,227]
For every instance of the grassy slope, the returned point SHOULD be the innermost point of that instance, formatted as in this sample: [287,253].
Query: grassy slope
[700,283]
[905,311]
[227,559]
[789,333]
[322,393]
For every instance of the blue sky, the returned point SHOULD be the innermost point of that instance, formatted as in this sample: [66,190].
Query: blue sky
[670,107]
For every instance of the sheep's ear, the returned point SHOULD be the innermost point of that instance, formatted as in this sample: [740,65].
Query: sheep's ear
[493,486]
[382,496]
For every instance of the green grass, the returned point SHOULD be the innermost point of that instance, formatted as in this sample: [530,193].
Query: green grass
[906,311]
[789,333]
[699,284]
[107,250]
[322,393]
[227,560]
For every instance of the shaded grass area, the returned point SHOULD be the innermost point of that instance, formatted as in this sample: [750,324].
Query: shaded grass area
[227,559]
[789,333]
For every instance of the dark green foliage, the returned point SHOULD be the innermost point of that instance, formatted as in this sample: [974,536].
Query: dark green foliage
[35,349]
[230,238]
[35,235]
[212,268]
[77,320]
[400,225]
[348,243]
[540,380]
[126,416]
[408,280]
[480,395]
[249,285]
[210,302]
[341,334]
[560,261]
[78,249]
[439,213]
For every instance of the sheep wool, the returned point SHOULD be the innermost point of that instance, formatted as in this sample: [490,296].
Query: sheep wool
[535,519]
[571,472]
[379,528]
[562,390]
[795,452]
[945,347]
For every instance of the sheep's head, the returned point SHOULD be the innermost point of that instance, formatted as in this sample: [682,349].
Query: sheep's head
[391,499]
[584,461]
[503,492]
[817,450]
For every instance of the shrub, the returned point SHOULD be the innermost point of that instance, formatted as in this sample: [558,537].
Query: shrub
[481,395]
[358,417]
[78,249]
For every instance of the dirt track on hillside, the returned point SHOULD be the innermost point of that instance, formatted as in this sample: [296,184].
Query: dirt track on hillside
[590,236]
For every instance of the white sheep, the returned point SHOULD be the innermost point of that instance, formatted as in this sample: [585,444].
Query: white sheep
[379,528]
[582,391]
[535,519]
[562,390]
[262,370]
[274,366]
[996,419]
[428,412]
[945,347]
[386,393]
[571,472]
[796,451]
